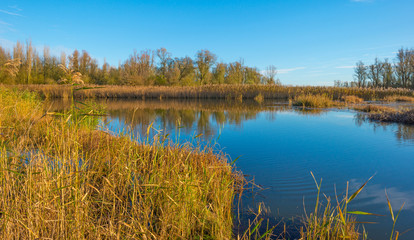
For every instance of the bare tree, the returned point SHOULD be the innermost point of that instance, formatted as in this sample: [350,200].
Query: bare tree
[402,67]
[387,74]
[270,75]
[374,73]
[360,74]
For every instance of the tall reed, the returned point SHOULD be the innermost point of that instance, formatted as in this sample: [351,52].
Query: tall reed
[65,181]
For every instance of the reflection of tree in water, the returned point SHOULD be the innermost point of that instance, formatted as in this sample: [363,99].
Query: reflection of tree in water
[206,117]
[402,132]
[198,116]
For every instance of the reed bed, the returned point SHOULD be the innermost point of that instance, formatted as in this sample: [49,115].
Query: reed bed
[314,101]
[236,92]
[401,116]
[60,180]
[399,99]
[352,99]
[370,108]
[387,114]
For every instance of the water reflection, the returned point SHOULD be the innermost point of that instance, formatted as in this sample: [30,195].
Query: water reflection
[280,146]
[207,117]
[402,132]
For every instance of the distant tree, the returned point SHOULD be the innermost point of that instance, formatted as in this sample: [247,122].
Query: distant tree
[387,74]
[374,73]
[84,63]
[74,61]
[163,57]
[139,69]
[251,76]
[360,74]
[234,73]
[402,67]
[205,60]
[187,70]
[29,60]
[219,73]
[270,75]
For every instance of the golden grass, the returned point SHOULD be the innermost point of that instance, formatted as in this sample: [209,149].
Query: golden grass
[374,108]
[352,99]
[63,181]
[214,92]
[401,116]
[399,99]
[333,221]
[387,114]
[314,101]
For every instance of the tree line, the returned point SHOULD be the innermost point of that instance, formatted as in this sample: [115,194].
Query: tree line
[25,65]
[384,73]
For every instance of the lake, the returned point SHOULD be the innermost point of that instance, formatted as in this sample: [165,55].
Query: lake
[278,147]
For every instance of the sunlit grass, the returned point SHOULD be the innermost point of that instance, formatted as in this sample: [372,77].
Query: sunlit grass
[313,101]
[65,181]
[61,179]
[352,99]
[399,99]
[217,92]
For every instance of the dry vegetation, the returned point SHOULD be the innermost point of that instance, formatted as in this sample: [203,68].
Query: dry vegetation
[370,108]
[352,99]
[399,99]
[63,181]
[402,116]
[314,101]
[235,91]
[387,114]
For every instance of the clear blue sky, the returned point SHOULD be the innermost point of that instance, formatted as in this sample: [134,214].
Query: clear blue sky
[310,42]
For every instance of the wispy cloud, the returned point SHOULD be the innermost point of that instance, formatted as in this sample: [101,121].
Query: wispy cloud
[15,7]
[345,67]
[4,23]
[10,13]
[288,70]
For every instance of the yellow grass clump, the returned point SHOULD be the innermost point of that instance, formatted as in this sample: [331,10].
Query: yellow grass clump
[352,99]
[60,180]
[399,99]
[374,108]
[313,101]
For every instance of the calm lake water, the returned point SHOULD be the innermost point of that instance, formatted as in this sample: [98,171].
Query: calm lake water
[279,146]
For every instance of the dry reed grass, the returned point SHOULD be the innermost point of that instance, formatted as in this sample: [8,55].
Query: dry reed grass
[215,92]
[374,108]
[399,99]
[314,101]
[62,181]
[352,99]
[402,116]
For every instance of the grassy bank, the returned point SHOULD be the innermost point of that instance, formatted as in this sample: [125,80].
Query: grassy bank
[387,114]
[237,92]
[61,180]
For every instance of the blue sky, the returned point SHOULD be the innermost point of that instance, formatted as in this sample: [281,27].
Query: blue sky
[310,42]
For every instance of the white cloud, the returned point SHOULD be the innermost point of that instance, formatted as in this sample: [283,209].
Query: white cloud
[4,23]
[288,70]
[11,13]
